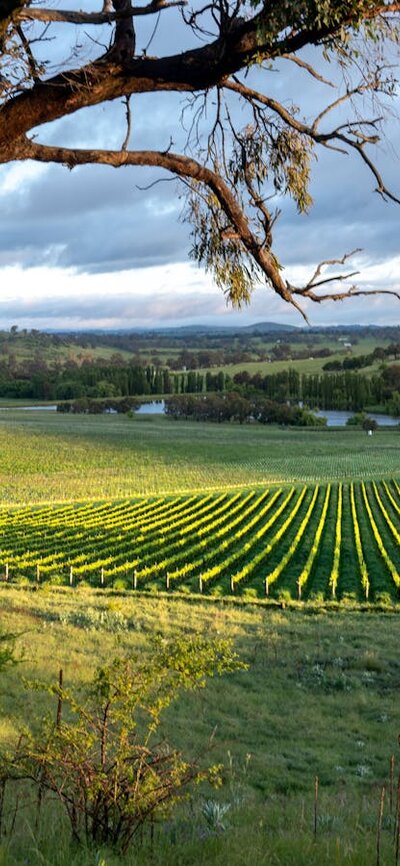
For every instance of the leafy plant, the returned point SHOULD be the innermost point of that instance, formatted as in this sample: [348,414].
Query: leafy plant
[102,760]
[214,813]
[7,649]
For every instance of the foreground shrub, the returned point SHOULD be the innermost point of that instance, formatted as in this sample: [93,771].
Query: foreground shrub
[100,755]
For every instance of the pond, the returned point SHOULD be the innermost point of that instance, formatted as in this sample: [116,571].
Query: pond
[155,407]
[335,418]
[338,419]
[49,408]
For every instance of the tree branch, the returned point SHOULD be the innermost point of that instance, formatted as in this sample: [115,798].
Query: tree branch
[185,167]
[68,16]
[182,166]
[307,66]
[353,291]
[357,143]
[198,69]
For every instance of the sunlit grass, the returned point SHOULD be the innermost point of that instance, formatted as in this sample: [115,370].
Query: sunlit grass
[50,457]
[320,698]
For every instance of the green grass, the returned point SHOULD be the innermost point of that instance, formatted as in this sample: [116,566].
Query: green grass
[321,695]
[50,457]
[320,698]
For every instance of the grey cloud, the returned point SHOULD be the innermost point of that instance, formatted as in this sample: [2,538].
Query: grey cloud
[96,220]
[121,308]
[153,308]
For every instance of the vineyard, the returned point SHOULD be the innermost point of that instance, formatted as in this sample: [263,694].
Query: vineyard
[331,541]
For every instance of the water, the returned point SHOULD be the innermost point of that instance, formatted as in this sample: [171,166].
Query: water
[155,407]
[49,408]
[335,418]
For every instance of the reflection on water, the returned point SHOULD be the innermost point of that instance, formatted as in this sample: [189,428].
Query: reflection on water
[338,419]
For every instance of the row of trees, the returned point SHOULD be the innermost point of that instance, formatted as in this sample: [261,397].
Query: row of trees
[97,381]
[233,407]
[357,362]
[344,390]
[347,390]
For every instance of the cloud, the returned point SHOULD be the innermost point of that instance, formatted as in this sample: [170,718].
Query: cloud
[93,228]
[168,295]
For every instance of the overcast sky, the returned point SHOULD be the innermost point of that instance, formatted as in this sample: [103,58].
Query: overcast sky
[88,248]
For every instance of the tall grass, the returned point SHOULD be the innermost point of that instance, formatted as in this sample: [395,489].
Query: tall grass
[320,699]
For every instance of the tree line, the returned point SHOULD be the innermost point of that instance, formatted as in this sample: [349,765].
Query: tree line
[234,407]
[342,390]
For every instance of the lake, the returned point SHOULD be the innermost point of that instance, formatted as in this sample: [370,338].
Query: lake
[157,407]
[338,419]
[334,418]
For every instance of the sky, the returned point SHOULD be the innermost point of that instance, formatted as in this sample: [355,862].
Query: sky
[93,248]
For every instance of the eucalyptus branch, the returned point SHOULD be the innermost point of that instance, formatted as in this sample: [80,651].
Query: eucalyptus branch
[128,114]
[314,283]
[68,16]
[33,66]
[307,66]
[330,263]
[325,139]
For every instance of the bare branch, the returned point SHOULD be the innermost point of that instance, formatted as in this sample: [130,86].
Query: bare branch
[33,67]
[381,188]
[336,103]
[353,292]
[330,263]
[308,290]
[68,16]
[307,66]
[128,123]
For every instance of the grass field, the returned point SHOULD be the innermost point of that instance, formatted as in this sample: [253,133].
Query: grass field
[320,698]
[46,456]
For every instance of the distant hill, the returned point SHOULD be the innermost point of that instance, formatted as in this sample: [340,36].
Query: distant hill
[268,328]
[183,330]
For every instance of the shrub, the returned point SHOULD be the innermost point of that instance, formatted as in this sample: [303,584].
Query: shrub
[101,759]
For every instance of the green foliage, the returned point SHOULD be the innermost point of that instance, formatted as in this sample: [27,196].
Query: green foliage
[233,270]
[261,154]
[7,649]
[356,420]
[101,757]
[290,157]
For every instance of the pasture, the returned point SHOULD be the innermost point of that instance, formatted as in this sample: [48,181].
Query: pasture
[45,456]
[320,698]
